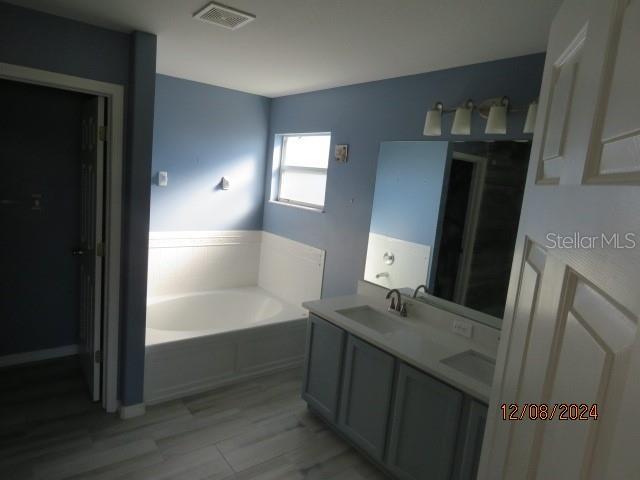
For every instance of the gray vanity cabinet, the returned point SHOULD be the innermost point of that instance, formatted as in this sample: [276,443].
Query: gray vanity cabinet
[424,427]
[470,443]
[323,367]
[411,424]
[367,389]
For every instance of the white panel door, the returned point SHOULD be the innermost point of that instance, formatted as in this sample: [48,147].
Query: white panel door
[91,241]
[614,155]
[570,332]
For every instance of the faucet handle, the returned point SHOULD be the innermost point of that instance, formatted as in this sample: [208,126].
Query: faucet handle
[403,309]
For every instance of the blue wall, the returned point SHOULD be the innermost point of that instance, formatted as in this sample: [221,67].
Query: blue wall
[409,183]
[201,134]
[365,115]
[57,44]
[135,242]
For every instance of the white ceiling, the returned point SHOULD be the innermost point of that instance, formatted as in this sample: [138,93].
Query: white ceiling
[302,45]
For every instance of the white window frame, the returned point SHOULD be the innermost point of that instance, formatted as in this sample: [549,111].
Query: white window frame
[312,170]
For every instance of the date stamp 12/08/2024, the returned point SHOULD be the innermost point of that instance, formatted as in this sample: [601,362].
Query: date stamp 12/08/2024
[544,411]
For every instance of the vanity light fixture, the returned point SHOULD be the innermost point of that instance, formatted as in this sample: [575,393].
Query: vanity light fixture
[495,110]
[462,119]
[433,122]
[530,122]
[497,121]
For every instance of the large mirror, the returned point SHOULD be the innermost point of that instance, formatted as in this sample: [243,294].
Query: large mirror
[445,215]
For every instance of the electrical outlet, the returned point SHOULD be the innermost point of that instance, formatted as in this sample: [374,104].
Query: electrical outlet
[462,328]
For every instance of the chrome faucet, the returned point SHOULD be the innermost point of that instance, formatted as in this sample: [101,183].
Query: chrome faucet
[424,287]
[398,306]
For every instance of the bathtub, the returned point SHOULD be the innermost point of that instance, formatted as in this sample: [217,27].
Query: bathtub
[198,341]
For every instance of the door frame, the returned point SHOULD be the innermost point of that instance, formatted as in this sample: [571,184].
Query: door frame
[113,206]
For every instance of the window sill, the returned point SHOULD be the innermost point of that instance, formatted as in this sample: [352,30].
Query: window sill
[300,207]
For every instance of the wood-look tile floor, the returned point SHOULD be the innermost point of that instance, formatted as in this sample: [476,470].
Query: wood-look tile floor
[256,430]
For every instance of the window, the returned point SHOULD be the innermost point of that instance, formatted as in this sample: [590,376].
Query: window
[304,159]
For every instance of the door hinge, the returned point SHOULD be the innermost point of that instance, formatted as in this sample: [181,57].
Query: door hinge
[100,249]
[102,133]
[97,356]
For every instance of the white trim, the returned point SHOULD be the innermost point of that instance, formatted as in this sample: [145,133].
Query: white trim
[38,355]
[113,206]
[191,234]
[297,205]
[208,238]
[132,411]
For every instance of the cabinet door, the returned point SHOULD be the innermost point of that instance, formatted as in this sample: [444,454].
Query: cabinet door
[323,366]
[366,396]
[424,427]
[470,444]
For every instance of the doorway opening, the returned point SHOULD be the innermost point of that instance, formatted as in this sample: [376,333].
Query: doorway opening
[479,222]
[463,195]
[456,210]
[60,199]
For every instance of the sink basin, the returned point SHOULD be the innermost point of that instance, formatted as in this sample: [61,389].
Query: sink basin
[370,318]
[472,364]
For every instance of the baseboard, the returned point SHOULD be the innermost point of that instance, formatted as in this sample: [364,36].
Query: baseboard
[131,411]
[38,355]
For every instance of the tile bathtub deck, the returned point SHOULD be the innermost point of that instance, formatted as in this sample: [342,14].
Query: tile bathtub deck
[255,430]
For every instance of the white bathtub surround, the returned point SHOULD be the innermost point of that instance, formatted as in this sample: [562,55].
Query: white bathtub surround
[185,262]
[410,266]
[224,306]
[290,270]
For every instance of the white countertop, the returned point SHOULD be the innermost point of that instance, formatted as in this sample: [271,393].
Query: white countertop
[418,342]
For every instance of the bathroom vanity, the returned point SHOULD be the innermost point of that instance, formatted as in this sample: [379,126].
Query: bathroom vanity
[408,392]
[407,378]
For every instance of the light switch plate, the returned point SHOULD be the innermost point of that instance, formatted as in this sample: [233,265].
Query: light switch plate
[462,328]
[163,179]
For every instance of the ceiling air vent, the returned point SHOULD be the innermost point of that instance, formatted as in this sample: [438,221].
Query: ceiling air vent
[224,16]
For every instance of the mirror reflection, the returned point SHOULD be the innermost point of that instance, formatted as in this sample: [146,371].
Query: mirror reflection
[445,216]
